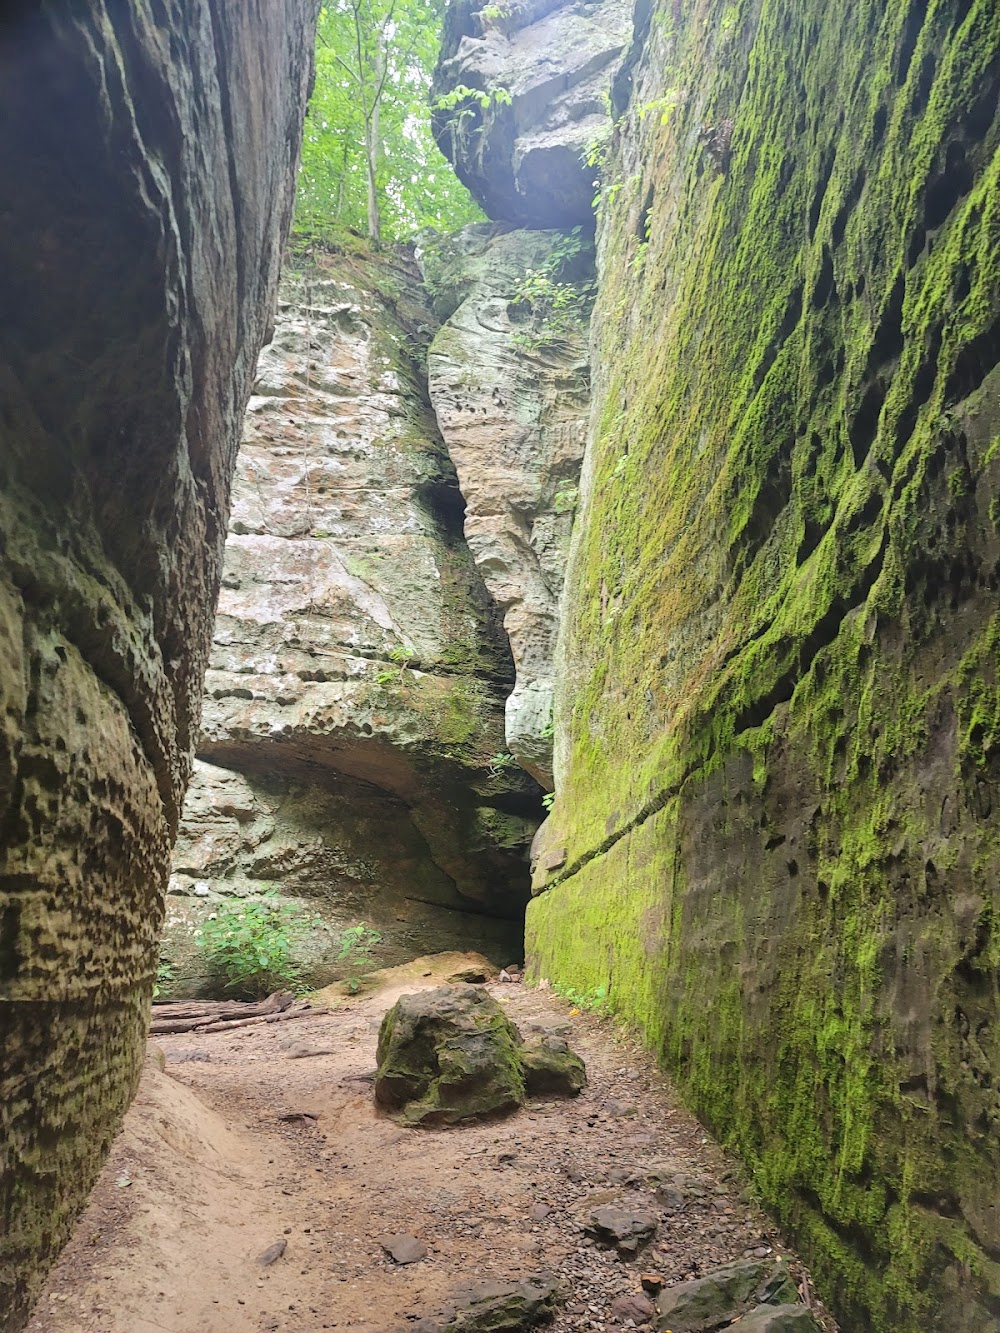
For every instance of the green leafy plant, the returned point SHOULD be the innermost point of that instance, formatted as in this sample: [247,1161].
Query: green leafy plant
[546,295]
[665,106]
[369,163]
[495,14]
[565,499]
[594,1001]
[357,945]
[461,93]
[401,657]
[165,974]
[549,800]
[250,945]
[500,762]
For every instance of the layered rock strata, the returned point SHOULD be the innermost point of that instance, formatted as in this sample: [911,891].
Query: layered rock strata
[778,749]
[148,155]
[353,726]
[509,383]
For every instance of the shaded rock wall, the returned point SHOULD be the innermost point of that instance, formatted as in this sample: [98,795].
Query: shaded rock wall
[354,699]
[546,69]
[148,156]
[777,752]
[511,391]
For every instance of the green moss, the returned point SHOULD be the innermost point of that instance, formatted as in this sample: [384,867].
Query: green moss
[781,634]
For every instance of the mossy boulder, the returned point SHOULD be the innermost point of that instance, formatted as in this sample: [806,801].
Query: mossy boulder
[447,1055]
[452,1054]
[711,1302]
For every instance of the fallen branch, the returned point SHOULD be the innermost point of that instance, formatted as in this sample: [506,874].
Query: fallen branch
[194,1016]
[304,1011]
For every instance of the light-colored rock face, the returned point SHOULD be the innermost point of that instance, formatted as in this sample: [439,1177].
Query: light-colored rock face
[148,155]
[511,397]
[549,67]
[354,700]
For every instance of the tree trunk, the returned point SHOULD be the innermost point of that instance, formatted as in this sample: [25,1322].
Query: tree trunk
[371,153]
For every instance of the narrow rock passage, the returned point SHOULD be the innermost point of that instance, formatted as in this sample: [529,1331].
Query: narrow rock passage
[263,1144]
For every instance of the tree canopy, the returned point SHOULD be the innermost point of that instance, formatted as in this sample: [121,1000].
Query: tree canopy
[369,161]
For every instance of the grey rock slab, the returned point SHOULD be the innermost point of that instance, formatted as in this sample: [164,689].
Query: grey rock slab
[715,1300]
[627,1229]
[404,1249]
[551,1067]
[779,1319]
[505,1307]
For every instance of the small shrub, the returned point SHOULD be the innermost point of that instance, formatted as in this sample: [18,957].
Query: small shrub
[502,762]
[594,1001]
[357,944]
[250,945]
[165,974]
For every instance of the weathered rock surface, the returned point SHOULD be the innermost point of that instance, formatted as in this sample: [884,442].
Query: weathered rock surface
[551,1068]
[511,396]
[524,154]
[355,695]
[451,1054]
[778,749]
[716,1300]
[447,1055]
[148,156]
[627,1229]
[779,1319]
[499,1307]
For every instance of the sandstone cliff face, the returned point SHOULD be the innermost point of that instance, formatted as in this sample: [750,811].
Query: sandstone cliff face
[510,388]
[353,719]
[774,838]
[148,155]
[545,68]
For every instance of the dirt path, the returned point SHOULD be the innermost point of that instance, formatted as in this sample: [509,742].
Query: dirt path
[207,1175]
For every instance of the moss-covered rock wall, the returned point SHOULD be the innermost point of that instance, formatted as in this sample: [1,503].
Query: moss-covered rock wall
[148,156]
[775,838]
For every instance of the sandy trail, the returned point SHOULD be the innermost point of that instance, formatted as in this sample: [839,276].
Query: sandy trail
[206,1175]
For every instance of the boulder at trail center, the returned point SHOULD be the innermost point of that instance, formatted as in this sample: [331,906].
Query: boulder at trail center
[452,1054]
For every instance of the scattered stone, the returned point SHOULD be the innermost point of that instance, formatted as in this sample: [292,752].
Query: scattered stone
[627,1229]
[272,1254]
[640,1309]
[403,1249]
[539,1211]
[551,1068]
[653,1283]
[505,1307]
[708,1303]
[447,1055]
